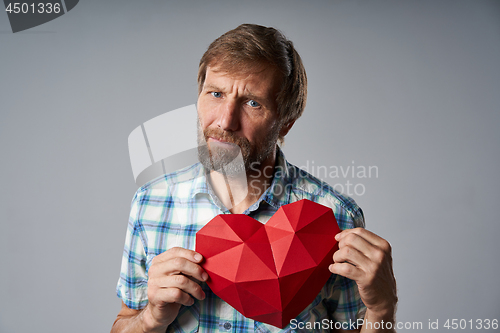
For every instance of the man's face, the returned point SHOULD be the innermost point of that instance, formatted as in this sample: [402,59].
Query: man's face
[237,111]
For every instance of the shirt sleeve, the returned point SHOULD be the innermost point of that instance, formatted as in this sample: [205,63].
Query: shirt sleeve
[343,301]
[341,297]
[132,285]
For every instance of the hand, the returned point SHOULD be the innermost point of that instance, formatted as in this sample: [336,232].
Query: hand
[366,258]
[170,286]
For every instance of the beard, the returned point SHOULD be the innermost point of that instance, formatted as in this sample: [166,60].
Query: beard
[236,154]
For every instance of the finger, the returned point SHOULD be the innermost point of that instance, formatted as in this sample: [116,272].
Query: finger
[185,284]
[374,253]
[179,252]
[174,295]
[347,270]
[367,235]
[354,241]
[177,266]
[350,255]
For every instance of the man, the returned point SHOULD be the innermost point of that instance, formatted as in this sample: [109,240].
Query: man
[252,88]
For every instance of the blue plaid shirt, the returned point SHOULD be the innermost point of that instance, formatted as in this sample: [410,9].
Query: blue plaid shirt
[168,211]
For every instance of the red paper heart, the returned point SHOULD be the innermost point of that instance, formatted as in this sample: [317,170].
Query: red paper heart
[270,272]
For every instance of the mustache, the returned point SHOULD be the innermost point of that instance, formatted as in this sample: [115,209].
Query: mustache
[222,135]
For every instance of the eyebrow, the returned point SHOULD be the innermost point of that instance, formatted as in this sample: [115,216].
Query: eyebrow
[210,86]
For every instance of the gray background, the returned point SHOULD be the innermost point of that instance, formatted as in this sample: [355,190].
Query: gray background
[412,87]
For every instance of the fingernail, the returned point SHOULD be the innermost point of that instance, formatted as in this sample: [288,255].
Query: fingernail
[330,268]
[198,257]
[337,236]
[191,302]
[204,276]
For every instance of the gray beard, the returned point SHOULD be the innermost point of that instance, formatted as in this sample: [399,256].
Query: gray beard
[227,161]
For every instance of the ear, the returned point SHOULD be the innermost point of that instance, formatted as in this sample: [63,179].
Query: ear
[286,128]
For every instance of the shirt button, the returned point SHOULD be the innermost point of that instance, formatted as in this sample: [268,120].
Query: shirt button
[227,326]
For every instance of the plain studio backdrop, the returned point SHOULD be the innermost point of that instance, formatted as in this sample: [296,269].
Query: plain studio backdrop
[409,88]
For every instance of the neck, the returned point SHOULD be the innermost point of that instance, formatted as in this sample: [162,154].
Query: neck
[240,191]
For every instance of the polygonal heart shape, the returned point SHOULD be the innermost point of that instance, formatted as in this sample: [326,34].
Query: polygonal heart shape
[270,272]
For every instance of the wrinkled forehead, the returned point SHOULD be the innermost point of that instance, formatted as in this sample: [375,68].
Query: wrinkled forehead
[269,74]
[243,69]
[264,81]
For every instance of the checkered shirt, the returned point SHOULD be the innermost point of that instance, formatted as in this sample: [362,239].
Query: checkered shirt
[168,211]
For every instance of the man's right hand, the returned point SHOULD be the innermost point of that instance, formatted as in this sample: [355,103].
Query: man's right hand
[170,285]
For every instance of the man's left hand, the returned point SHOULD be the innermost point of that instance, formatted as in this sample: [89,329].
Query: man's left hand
[366,258]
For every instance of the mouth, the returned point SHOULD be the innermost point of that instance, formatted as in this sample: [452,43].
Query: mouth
[221,141]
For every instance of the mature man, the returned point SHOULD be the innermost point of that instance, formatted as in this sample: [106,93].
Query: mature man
[252,88]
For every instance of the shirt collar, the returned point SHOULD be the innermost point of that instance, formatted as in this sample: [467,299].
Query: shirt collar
[200,183]
[276,195]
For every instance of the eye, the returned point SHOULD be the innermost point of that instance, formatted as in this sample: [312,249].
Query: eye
[216,94]
[253,103]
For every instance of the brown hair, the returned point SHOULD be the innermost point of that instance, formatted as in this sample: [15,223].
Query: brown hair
[251,45]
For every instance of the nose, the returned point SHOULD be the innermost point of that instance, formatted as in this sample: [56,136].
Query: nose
[228,119]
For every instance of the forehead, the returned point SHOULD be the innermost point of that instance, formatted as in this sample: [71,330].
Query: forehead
[261,82]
